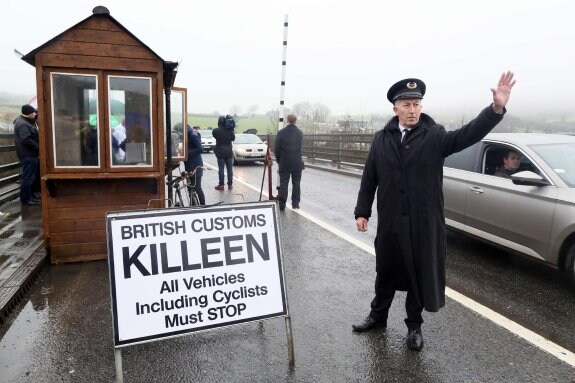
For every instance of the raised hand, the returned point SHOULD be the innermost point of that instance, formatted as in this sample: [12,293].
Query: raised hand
[502,92]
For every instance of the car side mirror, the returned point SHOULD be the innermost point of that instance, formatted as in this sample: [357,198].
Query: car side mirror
[528,178]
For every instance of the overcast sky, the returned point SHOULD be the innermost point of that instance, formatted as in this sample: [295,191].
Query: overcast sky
[342,54]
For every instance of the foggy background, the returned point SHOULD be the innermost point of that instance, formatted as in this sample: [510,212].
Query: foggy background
[344,55]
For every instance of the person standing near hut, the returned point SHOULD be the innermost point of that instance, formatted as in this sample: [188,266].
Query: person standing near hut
[195,161]
[287,150]
[27,150]
[224,136]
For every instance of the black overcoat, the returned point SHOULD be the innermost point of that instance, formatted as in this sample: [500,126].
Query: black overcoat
[287,149]
[408,176]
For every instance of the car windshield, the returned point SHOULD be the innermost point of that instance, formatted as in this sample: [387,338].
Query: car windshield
[561,157]
[205,133]
[247,139]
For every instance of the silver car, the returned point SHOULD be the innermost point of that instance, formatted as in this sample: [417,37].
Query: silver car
[248,148]
[531,213]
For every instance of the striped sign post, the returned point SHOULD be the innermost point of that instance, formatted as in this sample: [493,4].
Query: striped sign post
[283,82]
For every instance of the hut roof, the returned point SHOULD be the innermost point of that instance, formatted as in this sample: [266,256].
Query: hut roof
[97,12]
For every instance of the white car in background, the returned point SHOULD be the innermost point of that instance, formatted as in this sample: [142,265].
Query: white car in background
[208,141]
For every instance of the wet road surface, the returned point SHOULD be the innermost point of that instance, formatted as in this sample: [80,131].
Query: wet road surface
[63,330]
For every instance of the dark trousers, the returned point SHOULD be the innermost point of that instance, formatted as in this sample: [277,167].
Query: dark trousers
[28,180]
[228,163]
[199,190]
[384,293]
[295,187]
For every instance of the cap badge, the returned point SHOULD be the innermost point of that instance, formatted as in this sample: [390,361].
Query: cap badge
[411,85]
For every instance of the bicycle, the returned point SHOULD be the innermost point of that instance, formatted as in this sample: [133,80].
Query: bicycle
[185,181]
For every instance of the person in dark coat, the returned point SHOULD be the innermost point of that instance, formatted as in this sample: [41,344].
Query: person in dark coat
[287,150]
[195,160]
[27,150]
[405,166]
[224,137]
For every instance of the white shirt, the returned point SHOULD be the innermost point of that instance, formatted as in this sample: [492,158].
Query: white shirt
[120,135]
[403,130]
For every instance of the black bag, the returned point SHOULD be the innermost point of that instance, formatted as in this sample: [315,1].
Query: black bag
[230,123]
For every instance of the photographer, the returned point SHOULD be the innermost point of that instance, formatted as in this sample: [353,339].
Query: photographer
[224,136]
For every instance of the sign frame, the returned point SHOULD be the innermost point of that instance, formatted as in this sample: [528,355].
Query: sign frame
[269,209]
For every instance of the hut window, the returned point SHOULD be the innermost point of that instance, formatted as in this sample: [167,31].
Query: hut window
[75,120]
[179,124]
[130,116]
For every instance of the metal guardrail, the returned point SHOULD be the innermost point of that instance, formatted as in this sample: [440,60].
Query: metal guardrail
[8,184]
[340,149]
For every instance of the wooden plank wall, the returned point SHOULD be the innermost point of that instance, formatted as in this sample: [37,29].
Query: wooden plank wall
[77,210]
[98,43]
[74,208]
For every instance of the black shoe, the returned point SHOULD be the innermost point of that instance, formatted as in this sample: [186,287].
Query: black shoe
[296,206]
[282,208]
[31,203]
[414,339]
[368,324]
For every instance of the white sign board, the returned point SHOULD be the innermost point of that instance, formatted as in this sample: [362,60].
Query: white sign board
[178,271]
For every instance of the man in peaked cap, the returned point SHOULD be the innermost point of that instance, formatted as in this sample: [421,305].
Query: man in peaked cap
[405,166]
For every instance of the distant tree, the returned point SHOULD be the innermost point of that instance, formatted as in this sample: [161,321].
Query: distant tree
[303,110]
[235,109]
[253,109]
[377,122]
[320,112]
[273,118]
[310,115]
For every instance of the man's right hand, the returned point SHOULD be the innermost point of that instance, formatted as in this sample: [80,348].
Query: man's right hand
[361,224]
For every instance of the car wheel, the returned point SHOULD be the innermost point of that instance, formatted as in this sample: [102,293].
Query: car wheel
[570,264]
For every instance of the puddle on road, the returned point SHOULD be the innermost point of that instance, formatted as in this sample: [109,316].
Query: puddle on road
[18,344]
[19,246]
[31,234]
[9,214]
[7,234]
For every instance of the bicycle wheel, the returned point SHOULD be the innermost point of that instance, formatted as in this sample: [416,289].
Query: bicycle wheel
[195,199]
[178,202]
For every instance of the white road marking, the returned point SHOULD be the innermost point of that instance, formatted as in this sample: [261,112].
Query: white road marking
[515,328]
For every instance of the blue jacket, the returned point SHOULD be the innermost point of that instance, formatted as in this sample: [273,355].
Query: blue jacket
[194,152]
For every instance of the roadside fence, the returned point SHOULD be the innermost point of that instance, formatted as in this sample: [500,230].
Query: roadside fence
[339,150]
[9,167]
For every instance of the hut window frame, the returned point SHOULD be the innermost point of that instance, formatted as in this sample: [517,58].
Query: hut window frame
[64,116]
[135,150]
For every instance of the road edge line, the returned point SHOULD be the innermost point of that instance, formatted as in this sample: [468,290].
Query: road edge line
[500,320]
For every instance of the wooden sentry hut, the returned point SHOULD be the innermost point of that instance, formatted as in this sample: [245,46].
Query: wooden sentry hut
[101,119]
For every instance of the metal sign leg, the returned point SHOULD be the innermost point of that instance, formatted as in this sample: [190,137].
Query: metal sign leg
[119,373]
[291,352]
